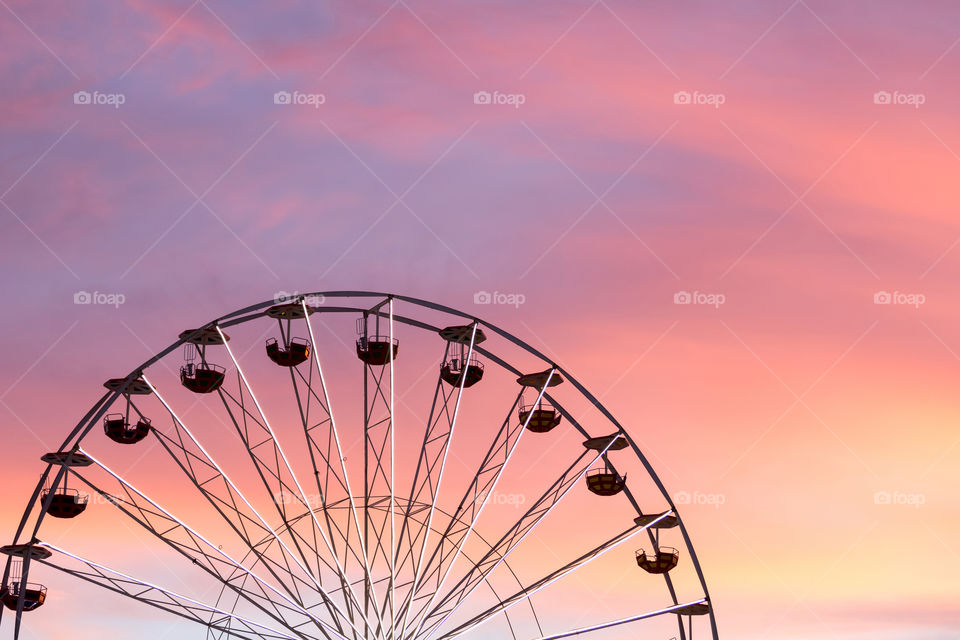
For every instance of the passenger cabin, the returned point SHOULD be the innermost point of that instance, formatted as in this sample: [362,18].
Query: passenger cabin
[294,353]
[33,596]
[539,417]
[453,372]
[605,482]
[660,560]
[117,427]
[65,503]
[372,348]
[377,350]
[460,366]
[202,376]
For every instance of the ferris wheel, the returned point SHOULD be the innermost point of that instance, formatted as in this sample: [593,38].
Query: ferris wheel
[354,465]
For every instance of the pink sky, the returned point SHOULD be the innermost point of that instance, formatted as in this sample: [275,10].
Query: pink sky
[798,200]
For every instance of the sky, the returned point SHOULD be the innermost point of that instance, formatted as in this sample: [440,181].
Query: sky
[735,222]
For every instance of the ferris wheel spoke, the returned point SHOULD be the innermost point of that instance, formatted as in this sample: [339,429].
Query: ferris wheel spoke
[643,460]
[252,531]
[432,464]
[458,529]
[209,485]
[270,439]
[654,540]
[201,552]
[271,475]
[378,459]
[544,505]
[218,490]
[333,529]
[528,591]
[668,580]
[391,594]
[475,498]
[323,440]
[327,445]
[678,609]
[165,599]
[336,533]
[409,535]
